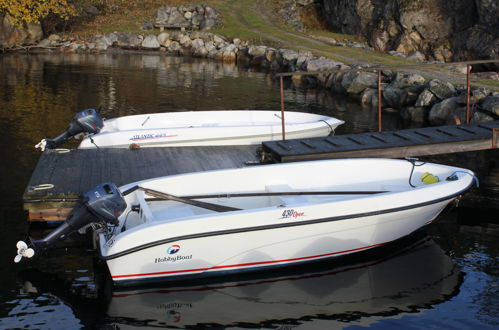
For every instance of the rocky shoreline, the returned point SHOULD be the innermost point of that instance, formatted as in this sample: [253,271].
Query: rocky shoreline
[418,99]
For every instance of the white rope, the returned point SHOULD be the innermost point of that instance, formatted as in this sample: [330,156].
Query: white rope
[62,150]
[43,186]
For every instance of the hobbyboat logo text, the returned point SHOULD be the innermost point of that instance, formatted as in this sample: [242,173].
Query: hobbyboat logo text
[172,255]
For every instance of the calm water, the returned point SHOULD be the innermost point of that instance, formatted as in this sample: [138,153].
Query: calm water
[447,279]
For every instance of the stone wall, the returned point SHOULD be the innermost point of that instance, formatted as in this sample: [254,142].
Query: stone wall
[416,98]
[198,17]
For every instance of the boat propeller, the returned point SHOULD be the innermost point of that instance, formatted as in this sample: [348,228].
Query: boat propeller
[23,251]
[87,121]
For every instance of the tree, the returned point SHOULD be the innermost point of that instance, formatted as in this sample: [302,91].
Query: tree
[21,11]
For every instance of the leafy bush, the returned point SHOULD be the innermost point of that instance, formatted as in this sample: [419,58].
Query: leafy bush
[34,11]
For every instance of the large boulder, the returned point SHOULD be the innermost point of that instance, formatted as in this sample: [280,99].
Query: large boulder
[491,104]
[210,12]
[426,99]
[129,40]
[150,42]
[196,20]
[289,56]
[443,112]
[12,35]
[395,97]
[257,50]
[207,24]
[162,14]
[441,89]
[323,64]
[174,47]
[176,18]
[361,81]
[163,39]
[479,116]
[403,80]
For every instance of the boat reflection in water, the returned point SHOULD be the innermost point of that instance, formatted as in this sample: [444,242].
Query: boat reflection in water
[409,281]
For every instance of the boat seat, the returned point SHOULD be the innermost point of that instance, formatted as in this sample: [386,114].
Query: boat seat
[145,211]
[284,200]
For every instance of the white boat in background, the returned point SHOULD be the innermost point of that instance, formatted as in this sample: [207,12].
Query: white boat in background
[238,220]
[193,128]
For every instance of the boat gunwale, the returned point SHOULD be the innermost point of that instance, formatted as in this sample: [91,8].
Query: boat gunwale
[280,225]
[175,143]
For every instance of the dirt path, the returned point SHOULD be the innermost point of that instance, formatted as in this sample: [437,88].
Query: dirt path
[254,16]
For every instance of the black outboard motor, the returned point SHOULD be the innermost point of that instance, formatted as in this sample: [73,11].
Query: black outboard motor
[86,121]
[103,203]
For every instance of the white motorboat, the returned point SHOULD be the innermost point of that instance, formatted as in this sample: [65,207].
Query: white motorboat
[193,128]
[227,221]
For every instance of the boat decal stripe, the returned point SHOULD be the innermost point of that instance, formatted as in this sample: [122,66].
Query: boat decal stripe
[258,263]
[280,225]
[142,138]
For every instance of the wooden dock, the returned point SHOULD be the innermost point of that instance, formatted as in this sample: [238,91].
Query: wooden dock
[67,175]
[77,171]
[395,144]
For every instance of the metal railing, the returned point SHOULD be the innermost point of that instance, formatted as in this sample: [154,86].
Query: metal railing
[379,70]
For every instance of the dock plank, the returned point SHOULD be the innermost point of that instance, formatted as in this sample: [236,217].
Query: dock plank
[392,144]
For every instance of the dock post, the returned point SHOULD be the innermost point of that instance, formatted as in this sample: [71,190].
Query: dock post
[282,108]
[380,101]
[468,76]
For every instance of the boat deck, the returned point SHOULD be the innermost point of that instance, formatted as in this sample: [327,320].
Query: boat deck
[389,144]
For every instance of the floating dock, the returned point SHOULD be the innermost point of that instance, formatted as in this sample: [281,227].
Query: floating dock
[60,177]
[395,144]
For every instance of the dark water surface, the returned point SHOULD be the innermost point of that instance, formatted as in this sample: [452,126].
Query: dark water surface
[444,278]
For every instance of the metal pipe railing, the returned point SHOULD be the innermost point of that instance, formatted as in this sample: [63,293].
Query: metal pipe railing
[380,95]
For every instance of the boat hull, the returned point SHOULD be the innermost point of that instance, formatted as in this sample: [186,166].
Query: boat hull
[208,128]
[222,253]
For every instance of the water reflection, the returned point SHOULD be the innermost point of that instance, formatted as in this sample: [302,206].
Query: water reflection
[407,281]
[40,93]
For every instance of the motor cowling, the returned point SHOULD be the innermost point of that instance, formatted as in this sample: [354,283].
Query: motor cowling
[104,203]
[87,121]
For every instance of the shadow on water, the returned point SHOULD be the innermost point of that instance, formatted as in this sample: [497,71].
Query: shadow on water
[420,287]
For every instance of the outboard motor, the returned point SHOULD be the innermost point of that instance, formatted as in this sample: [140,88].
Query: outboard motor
[86,121]
[104,203]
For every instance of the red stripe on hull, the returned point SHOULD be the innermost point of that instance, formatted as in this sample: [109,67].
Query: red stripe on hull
[246,264]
